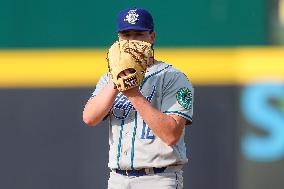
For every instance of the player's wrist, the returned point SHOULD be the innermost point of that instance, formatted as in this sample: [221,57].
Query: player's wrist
[112,88]
[134,92]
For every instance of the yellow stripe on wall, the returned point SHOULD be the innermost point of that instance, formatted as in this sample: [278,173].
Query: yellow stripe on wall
[59,68]
[228,66]
[82,68]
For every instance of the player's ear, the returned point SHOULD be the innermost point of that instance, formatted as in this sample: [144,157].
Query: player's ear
[152,37]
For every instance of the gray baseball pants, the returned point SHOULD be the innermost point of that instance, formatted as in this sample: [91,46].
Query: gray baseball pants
[167,180]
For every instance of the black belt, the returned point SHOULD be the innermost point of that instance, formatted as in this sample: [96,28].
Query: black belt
[141,172]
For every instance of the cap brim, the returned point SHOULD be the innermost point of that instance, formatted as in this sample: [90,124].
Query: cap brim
[138,28]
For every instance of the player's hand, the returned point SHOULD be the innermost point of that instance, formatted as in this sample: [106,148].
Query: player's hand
[112,87]
[132,92]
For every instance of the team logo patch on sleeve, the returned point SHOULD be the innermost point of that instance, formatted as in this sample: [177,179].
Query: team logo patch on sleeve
[184,98]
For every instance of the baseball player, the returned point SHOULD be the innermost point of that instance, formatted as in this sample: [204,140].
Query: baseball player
[147,117]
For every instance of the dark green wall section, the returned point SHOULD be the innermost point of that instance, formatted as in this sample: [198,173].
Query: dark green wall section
[90,23]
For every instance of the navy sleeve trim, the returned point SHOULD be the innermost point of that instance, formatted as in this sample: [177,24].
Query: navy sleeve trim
[179,113]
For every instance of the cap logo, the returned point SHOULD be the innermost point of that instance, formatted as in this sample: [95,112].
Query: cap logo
[132,17]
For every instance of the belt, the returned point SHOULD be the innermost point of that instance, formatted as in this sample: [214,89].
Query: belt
[141,172]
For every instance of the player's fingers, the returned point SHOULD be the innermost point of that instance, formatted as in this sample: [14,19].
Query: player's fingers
[122,74]
[126,72]
[129,71]
[132,70]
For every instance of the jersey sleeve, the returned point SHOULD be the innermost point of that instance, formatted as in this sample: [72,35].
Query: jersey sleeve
[177,96]
[103,81]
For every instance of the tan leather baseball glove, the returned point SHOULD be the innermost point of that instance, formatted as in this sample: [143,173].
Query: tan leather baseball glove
[132,55]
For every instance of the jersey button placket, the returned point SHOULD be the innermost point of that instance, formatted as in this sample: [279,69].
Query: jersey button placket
[131,116]
[128,134]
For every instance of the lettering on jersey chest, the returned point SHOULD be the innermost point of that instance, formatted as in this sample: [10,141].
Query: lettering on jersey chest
[122,107]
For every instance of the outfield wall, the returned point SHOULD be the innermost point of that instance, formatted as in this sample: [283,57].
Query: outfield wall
[44,143]
[53,52]
[236,140]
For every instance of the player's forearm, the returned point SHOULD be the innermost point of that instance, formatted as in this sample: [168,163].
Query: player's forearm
[163,125]
[99,106]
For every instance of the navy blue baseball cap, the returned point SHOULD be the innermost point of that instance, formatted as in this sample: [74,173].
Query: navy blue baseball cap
[135,19]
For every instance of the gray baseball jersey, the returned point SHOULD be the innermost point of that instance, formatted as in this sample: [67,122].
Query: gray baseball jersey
[133,145]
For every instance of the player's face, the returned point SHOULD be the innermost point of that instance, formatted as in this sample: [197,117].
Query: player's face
[137,35]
